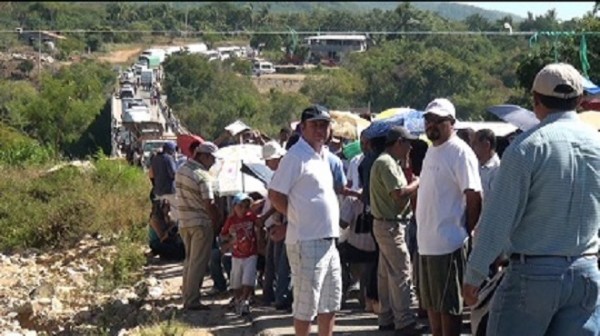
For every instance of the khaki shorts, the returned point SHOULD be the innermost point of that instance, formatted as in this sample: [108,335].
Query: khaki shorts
[440,281]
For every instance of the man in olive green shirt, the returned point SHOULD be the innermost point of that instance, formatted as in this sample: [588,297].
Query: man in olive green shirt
[390,196]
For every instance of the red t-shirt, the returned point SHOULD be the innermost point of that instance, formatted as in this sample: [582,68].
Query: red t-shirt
[243,234]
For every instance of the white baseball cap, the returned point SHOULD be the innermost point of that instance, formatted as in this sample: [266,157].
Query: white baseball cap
[441,107]
[559,80]
[272,150]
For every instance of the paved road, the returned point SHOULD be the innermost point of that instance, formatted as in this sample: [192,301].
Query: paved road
[263,321]
[117,110]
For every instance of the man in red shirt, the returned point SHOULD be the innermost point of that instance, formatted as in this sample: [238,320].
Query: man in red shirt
[239,232]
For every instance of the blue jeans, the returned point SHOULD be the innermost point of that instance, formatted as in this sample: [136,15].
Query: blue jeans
[283,282]
[547,296]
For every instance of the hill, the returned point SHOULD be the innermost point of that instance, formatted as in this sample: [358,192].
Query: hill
[449,10]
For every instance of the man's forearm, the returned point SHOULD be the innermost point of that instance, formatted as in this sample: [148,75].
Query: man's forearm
[473,210]
[411,188]
[279,202]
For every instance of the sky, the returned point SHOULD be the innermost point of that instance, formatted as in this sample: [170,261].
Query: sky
[566,10]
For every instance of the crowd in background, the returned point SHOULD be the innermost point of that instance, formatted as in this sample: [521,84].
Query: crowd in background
[420,227]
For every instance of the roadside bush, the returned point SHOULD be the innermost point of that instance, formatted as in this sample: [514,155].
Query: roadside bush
[17,149]
[53,210]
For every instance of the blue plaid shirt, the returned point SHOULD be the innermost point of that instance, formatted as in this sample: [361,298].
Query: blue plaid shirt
[546,196]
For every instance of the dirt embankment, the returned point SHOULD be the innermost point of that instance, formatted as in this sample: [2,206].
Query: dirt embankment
[282,82]
[120,56]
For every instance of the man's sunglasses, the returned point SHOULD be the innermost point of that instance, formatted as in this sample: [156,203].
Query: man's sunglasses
[429,119]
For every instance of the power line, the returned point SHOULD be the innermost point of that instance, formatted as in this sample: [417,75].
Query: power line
[286,32]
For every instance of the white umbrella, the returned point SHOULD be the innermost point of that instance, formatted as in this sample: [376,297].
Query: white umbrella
[228,170]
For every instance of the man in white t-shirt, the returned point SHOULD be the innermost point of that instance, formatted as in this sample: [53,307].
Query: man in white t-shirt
[448,207]
[302,189]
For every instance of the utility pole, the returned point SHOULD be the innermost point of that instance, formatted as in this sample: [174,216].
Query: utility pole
[39,58]
[186,21]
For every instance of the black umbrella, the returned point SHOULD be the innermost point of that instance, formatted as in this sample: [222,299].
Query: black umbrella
[515,115]
[259,171]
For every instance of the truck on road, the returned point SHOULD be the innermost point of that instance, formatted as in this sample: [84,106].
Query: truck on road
[147,79]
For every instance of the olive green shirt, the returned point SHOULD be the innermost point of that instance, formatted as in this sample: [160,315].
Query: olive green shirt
[386,176]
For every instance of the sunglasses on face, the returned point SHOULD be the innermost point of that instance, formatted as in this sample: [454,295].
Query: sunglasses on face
[431,119]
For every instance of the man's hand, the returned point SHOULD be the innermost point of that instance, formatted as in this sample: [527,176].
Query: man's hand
[164,237]
[469,293]
[260,221]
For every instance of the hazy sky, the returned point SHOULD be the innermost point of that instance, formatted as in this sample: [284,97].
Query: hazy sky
[565,9]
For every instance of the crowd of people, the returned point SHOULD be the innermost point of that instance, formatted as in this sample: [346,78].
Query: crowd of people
[419,227]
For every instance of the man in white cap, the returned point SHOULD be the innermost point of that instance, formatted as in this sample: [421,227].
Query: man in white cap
[448,206]
[544,211]
[199,219]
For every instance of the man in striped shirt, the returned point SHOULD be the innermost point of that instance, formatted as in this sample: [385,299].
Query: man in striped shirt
[544,210]
[198,220]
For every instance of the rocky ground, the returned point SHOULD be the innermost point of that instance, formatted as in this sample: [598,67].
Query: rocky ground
[59,293]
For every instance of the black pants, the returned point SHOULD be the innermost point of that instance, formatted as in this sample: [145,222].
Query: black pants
[171,249]
[368,260]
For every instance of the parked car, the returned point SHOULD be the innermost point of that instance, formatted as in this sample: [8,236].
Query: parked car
[261,68]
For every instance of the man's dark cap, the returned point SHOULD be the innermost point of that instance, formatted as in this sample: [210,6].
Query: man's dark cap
[315,112]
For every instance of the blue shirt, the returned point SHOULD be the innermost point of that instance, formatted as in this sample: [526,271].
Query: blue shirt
[546,196]
[164,168]
[337,169]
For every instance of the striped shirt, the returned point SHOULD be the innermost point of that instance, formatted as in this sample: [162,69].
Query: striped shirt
[546,197]
[193,185]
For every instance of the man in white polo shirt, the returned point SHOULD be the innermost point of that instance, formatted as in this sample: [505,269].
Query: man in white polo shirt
[302,189]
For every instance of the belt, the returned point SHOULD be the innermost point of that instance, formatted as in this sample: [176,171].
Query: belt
[390,219]
[524,257]
[329,238]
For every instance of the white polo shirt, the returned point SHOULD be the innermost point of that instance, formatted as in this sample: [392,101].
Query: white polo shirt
[305,178]
[448,170]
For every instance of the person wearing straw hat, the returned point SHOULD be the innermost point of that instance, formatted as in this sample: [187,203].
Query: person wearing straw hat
[544,211]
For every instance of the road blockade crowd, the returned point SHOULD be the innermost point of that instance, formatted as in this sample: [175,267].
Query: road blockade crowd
[414,225]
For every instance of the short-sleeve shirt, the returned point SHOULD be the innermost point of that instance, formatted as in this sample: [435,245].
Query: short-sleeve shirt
[337,169]
[164,168]
[386,176]
[448,171]
[193,184]
[305,177]
[353,175]
[243,234]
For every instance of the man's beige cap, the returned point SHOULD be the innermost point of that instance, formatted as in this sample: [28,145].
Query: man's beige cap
[560,80]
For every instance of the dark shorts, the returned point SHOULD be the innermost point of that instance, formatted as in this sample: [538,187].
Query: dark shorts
[440,281]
